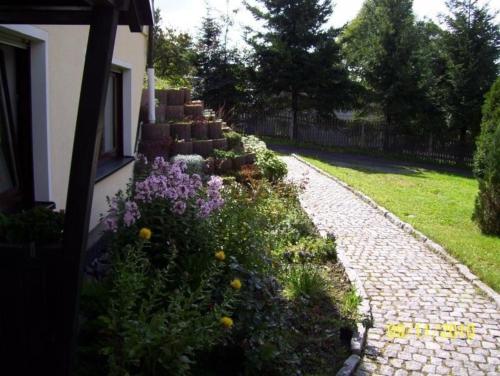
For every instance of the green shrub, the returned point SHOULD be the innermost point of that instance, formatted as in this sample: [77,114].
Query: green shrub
[259,219]
[303,280]
[150,328]
[194,163]
[262,325]
[271,166]
[350,302]
[253,144]
[233,139]
[487,165]
[311,249]
[224,154]
[39,224]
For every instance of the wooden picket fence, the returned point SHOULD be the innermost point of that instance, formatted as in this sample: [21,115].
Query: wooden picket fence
[358,134]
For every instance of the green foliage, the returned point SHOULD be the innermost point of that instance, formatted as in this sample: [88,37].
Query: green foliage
[39,225]
[271,166]
[303,280]
[351,302]
[423,78]
[220,73]
[430,67]
[224,154]
[487,164]
[253,144]
[263,325]
[380,45]
[295,55]
[158,310]
[173,53]
[253,222]
[194,163]
[311,249]
[165,295]
[472,45]
[151,328]
[233,139]
[256,220]
[166,83]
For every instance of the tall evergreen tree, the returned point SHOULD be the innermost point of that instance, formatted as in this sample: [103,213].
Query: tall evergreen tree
[296,58]
[380,45]
[473,48]
[487,164]
[220,73]
[430,66]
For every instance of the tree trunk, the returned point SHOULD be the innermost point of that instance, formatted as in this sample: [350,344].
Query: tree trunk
[295,109]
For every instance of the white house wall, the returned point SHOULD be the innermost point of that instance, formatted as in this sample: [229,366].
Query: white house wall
[66,55]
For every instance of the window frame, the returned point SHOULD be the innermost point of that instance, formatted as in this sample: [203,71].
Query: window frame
[117,153]
[20,136]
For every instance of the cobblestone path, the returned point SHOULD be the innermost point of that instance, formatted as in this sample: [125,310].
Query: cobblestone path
[407,284]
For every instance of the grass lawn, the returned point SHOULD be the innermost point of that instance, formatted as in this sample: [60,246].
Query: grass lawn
[437,203]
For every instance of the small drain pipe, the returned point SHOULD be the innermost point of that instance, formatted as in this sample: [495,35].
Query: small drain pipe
[151,73]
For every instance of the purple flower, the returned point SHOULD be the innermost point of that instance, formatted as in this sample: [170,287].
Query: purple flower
[131,213]
[179,207]
[111,224]
[169,182]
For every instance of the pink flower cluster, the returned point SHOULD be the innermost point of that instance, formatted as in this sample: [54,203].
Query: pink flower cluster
[127,211]
[214,199]
[170,182]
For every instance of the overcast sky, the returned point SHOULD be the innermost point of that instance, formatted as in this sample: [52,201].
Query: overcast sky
[186,15]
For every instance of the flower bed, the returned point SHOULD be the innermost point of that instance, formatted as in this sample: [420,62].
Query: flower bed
[214,279]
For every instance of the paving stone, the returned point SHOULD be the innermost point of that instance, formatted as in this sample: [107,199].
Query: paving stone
[412,365]
[400,372]
[432,345]
[405,283]
[429,368]
[440,370]
[477,358]
[420,358]
[436,361]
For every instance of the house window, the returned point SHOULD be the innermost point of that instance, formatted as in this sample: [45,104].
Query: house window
[112,136]
[16,173]
[8,180]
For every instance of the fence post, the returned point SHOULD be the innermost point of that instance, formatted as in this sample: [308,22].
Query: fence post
[362,135]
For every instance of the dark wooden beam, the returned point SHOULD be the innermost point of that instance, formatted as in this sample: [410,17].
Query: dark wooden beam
[134,13]
[80,16]
[62,17]
[86,145]
[134,19]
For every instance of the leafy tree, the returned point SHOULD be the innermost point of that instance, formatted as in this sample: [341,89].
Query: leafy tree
[296,59]
[220,72]
[487,164]
[381,46]
[430,67]
[472,44]
[173,54]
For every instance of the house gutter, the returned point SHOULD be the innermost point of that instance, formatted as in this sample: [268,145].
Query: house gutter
[151,73]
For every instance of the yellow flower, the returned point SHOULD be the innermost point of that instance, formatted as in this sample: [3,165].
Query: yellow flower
[221,256]
[236,284]
[227,322]
[145,233]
